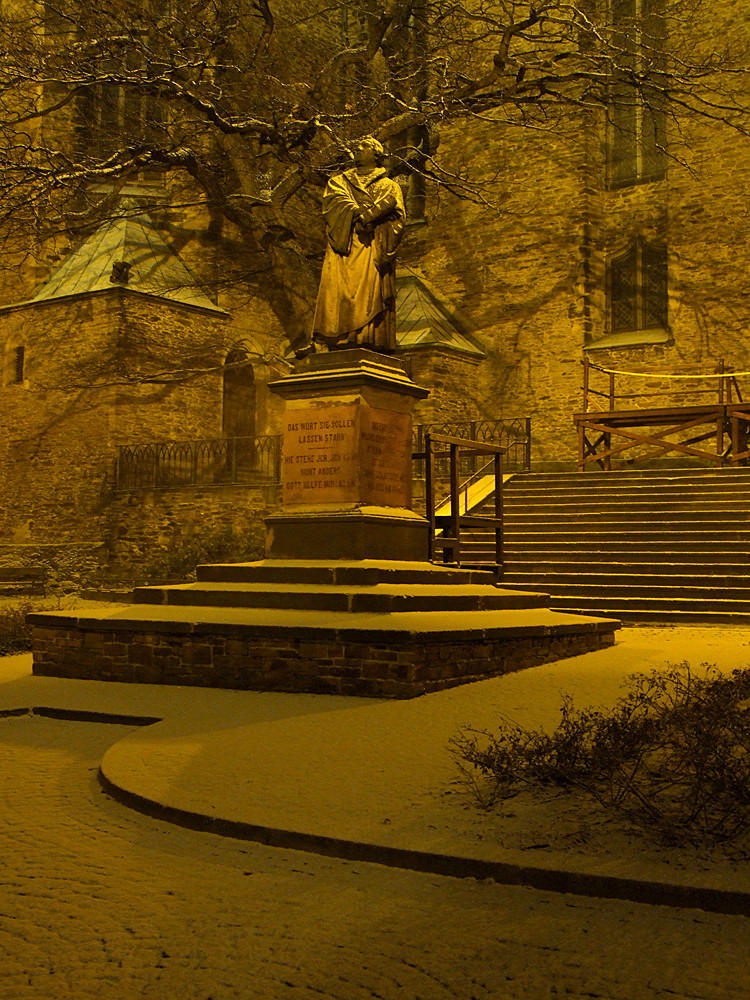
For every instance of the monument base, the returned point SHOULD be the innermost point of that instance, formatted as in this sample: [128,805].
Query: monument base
[347,603]
[359,533]
[358,627]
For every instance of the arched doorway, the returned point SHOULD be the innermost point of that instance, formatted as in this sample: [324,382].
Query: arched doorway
[238,414]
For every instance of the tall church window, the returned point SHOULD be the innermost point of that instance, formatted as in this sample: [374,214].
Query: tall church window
[637,288]
[122,108]
[637,114]
[18,366]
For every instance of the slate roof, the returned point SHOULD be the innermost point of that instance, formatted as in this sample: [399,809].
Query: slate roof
[155,268]
[423,321]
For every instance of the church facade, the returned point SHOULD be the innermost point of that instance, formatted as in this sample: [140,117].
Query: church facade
[624,242]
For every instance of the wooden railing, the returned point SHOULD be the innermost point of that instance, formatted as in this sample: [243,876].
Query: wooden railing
[616,423]
[724,386]
[445,536]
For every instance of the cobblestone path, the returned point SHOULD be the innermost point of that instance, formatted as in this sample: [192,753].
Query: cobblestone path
[100,902]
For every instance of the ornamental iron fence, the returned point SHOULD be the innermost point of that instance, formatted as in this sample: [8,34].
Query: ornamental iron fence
[251,461]
[514,436]
[256,461]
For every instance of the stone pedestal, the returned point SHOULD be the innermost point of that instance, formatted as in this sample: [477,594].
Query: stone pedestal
[346,461]
[347,602]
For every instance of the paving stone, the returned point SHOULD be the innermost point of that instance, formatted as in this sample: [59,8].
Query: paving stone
[97,901]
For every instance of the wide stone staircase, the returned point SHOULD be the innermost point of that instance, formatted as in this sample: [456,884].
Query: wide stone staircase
[670,545]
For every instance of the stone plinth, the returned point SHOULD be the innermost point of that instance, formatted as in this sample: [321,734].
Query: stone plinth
[362,627]
[347,460]
[347,602]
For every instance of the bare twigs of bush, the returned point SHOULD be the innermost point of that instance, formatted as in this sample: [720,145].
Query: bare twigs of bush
[15,632]
[673,754]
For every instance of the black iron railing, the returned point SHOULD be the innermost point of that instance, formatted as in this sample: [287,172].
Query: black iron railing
[257,460]
[513,436]
[216,462]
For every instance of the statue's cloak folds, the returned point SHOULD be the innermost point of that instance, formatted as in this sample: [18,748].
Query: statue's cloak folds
[357,297]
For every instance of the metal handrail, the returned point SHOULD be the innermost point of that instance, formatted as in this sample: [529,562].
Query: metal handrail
[451,543]
[514,435]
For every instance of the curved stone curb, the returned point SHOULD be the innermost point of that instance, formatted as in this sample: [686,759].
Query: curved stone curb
[731,902]
[550,880]
[79,715]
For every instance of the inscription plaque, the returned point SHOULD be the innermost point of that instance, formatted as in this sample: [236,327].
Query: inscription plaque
[320,461]
[347,453]
[385,453]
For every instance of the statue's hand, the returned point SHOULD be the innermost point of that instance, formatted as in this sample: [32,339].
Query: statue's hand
[364,232]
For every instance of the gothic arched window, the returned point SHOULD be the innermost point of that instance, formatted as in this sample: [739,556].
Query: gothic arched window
[637,115]
[14,364]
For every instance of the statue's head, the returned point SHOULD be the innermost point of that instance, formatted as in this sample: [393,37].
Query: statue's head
[369,147]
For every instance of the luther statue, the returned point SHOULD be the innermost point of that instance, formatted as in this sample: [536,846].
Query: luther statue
[364,215]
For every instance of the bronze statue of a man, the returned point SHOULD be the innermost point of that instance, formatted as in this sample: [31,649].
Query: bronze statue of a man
[364,215]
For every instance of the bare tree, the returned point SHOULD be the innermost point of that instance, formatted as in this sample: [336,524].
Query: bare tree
[230,114]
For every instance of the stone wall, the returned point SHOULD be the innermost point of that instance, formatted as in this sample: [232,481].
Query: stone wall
[443,372]
[226,656]
[158,535]
[68,566]
[512,271]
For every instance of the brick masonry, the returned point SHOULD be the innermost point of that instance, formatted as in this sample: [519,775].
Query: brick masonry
[402,667]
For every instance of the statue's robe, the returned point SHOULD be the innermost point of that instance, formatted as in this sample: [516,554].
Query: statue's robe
[357,298]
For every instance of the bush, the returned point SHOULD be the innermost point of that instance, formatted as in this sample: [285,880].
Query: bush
[223,545]
[673,755]
[15,633]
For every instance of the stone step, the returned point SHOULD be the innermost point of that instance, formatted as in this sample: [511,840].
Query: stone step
[325,652]
[670,598]
[689,576]
[674,520]
[596,584]
[362,573]
[306,625]
[672,616]
[622,606]
[378,599]
[642,537]
[709,491]
[650,476]
[585,564]
[677,550]
[626,503]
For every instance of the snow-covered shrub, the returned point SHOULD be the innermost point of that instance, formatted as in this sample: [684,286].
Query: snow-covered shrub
[673,754]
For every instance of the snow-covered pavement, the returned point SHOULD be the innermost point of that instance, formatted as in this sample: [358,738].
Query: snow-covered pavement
[98,900]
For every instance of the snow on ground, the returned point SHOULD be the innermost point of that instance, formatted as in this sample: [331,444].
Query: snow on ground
[98,902]
[378,771]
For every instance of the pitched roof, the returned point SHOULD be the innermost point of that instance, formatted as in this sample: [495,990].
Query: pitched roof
[423,321]
[126,252]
